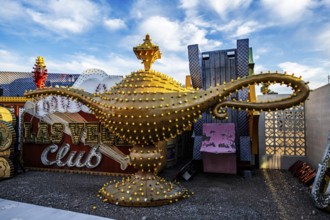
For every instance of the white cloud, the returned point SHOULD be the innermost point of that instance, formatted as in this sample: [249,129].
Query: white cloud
[62,17]
[262,50]
[175,35]
[164,31]
[258,68]
[113,64]
[238,19]
[316,75]
[326,2]
[324,39]
[114,24]
[259,52]
[130,41]
[237,28]
[288,11]
[246,28]
[224,7]
[192,16]
[11,61]
[142,9]
[235,20]
[230,26]
[188,4]
[11,10]
[256,57]
[173,65]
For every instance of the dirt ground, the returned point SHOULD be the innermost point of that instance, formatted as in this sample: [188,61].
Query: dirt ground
[268,194]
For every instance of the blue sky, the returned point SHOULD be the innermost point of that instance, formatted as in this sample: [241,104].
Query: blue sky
[74,35]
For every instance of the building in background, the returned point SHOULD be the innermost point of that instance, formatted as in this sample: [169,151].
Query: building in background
[14,84]
[216,67]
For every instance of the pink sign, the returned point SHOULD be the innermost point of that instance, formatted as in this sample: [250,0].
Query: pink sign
[218,138]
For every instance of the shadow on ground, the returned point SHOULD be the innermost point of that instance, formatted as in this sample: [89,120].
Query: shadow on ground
[268,194]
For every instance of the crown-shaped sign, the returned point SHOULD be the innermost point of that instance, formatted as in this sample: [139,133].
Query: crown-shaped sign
[40,61]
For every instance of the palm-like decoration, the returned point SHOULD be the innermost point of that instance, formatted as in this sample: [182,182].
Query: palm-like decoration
[40,73]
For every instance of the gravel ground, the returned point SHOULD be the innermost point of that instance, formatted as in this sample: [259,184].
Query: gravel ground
[268,194]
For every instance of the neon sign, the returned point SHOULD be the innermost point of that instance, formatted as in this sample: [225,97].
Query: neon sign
[78,146]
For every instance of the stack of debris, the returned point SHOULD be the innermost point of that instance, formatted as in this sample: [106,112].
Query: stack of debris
[303,172]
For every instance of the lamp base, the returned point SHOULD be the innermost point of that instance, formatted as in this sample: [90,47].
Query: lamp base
[142,189]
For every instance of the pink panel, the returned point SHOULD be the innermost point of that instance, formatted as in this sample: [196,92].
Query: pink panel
[219,138]
[219,163]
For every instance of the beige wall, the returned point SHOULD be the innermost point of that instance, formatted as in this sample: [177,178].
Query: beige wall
[272,161]
[317,116]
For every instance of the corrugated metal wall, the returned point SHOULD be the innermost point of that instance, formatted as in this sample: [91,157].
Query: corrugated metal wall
[243,119]
[15,83]
[195,66]
[217,67]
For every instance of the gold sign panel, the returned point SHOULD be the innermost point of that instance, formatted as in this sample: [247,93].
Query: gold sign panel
[6,168]
[7,135]
[7,142]
[7,115]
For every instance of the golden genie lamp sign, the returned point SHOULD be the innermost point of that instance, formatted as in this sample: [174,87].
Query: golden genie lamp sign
[148,107]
